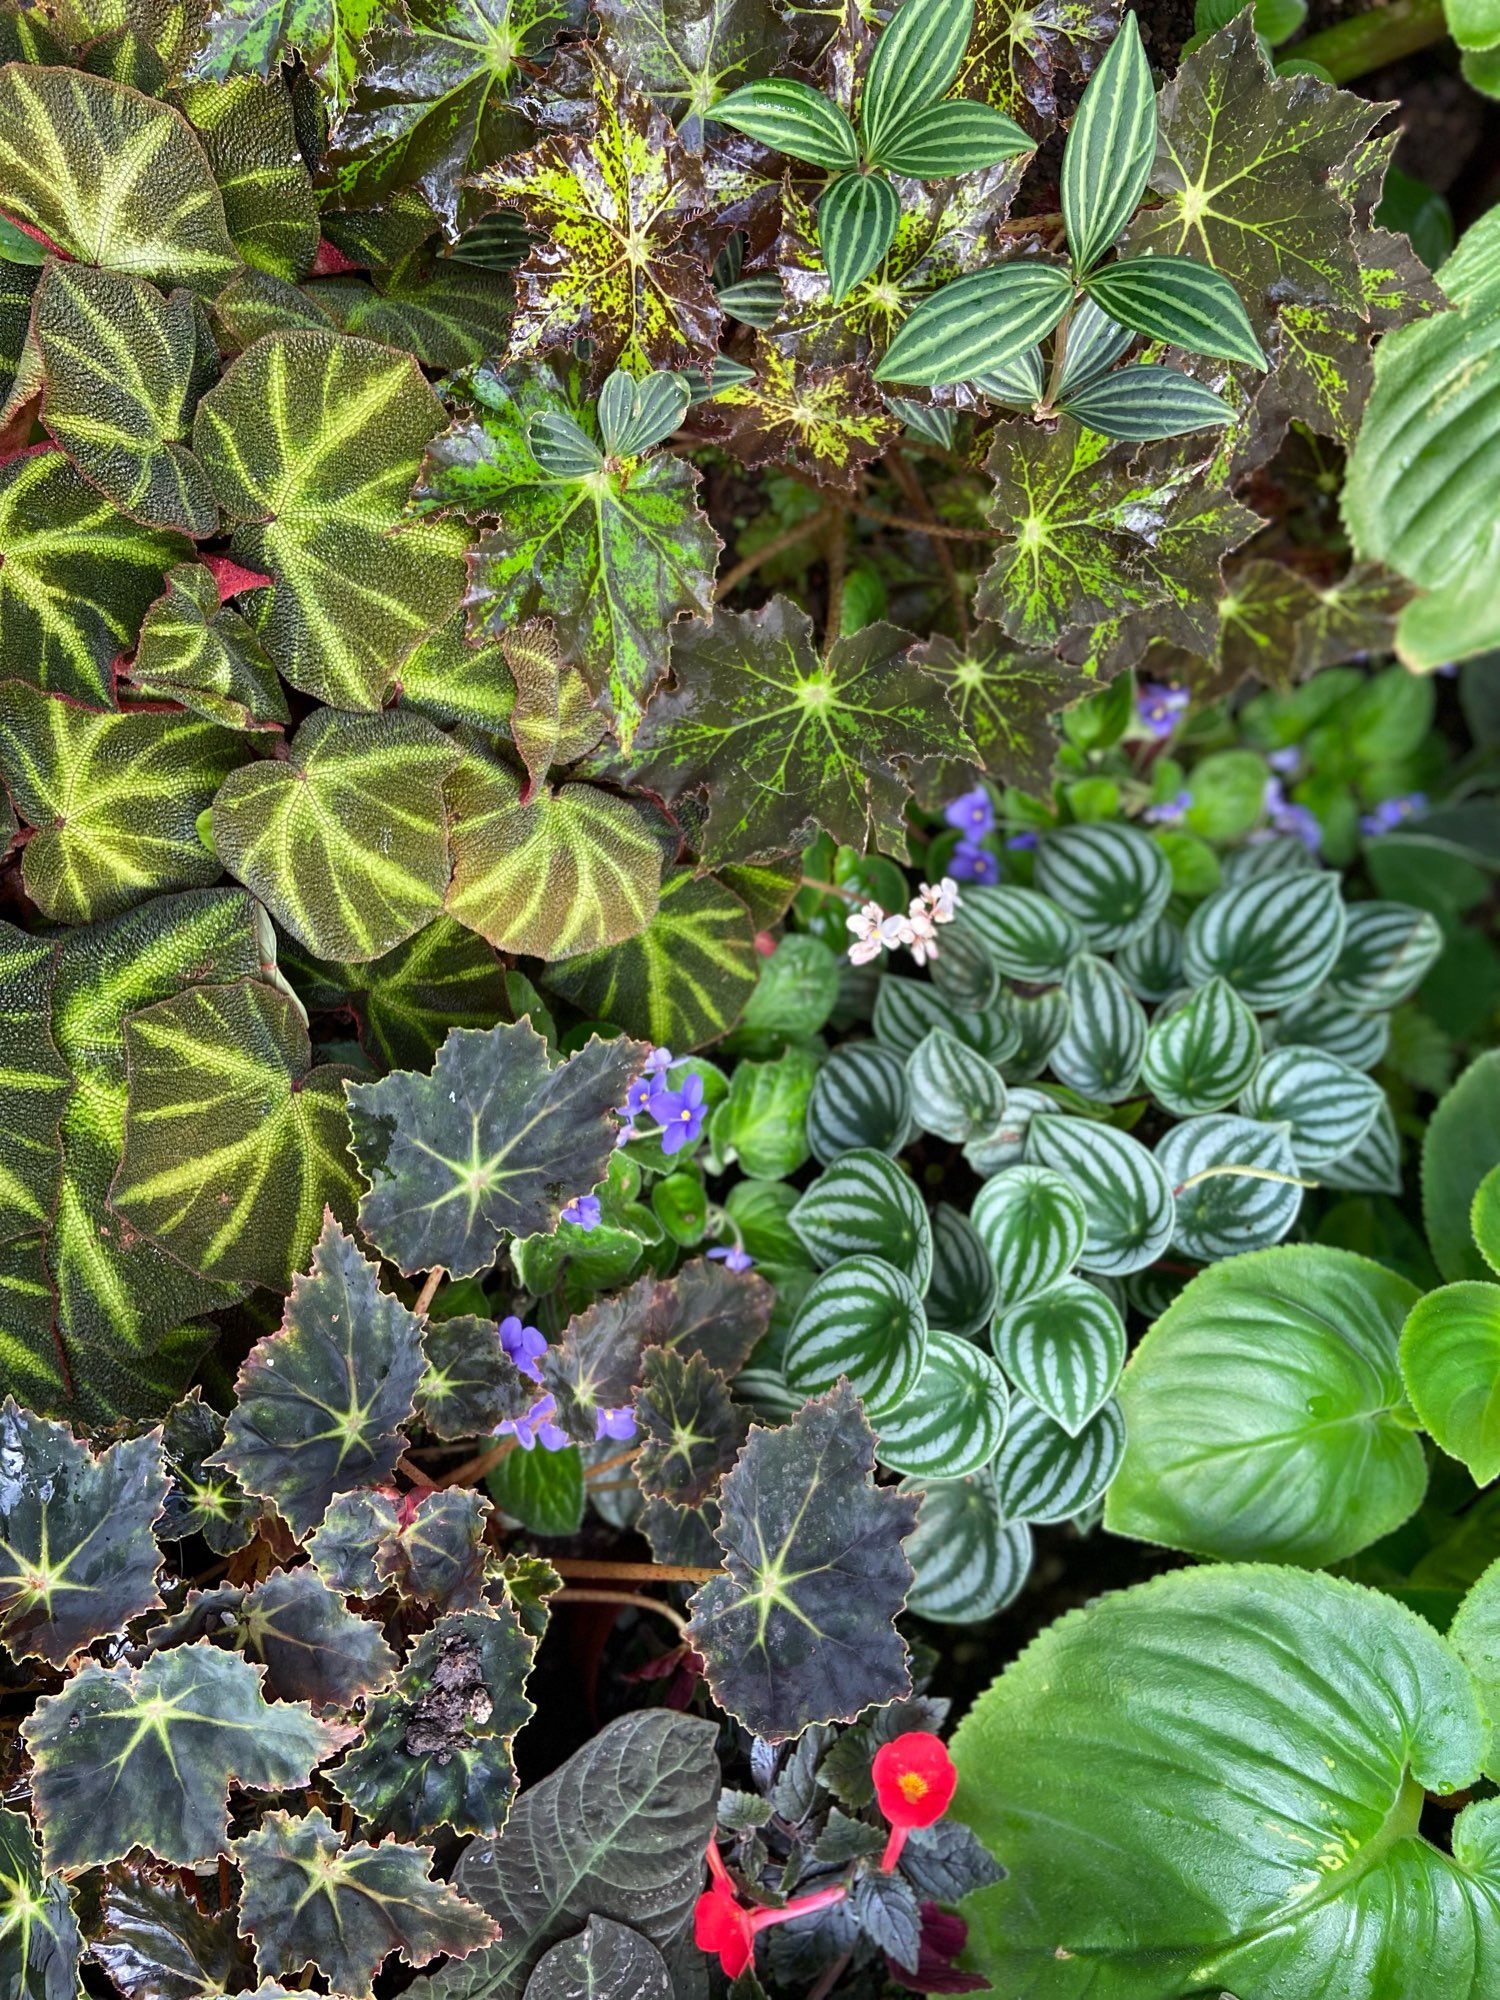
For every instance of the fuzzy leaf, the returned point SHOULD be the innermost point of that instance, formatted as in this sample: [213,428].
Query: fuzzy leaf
[690,1431]
[34,1082]
[40,1944]
[470,1384]
[248,129]
[1004,699]
[196,650]
[404,1003]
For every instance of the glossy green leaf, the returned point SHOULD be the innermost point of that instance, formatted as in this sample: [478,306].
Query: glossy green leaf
[542,1490]
[254,38]
[797,990]
[688,55]
[1111,879]
[794,119]
[861,1099]
[1146,402]
[1201,1055]
[1450,1360]
[968,1561]
[857,220]
[1475,1637]
[40,1943]
[1026,934]
[864,1320]
[956,1092]
[961,1291]
[763,1121]
[866,1205]
[1094,343]
[1458,1152]
[1044,1475]
[1110,149]
[1327,1106]
[1063,1349]
[952,1422]
[606,1961]
[936,140]
[197,650]
[1100,1049]
[976,323]
[312,1648]
[1032,1225]
[202,1500]
[915,60]
[1275,940]
[1179,301]
[825,420]
[1127,1199]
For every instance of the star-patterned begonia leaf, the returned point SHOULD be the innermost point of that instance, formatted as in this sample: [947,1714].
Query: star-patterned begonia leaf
[687,54]
[598,1361]
[255,37]
[40,1943]
[1021,58]
[203,1500]
[471,1383]
[436,1555]
[312,1648]
[345,1543]
[1005,698]
[690,1430]
[824,420]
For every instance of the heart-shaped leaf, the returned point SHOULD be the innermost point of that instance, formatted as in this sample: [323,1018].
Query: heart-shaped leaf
[1458,1152]
[1388,950]
[1450,1359]
[1326,1106]
[1026,934]
[961,1290]
[1103,1042]
[1202,1054]
[865,1204]
[1127,1198]
[1064,1349]
[1235,1184]
[969,1561]
[1044,1475]
[195,650]
[956,1093]
[1275,940]
[952,1422]
[1112,880]
[863,1320]
[344,1545]
[606,1961]
[1032,1223]
[860,1099]
[40,1943]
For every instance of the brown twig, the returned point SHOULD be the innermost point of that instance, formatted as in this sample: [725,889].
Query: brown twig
[622,1597]
[778,545]
[429,1288]
[838,521]
[830,1978]
[610,1464]
[473,1469]
[586,1569]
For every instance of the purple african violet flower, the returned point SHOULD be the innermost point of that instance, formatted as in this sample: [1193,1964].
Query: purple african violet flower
[1288,762]
[1159,709]
[524,1344]
[1026,838]
[971,814]
[659,1062]
[637,1099]
[617,1424]
[1391,813]
[536,1427]
[583,1211]
[1170,812]
[1286,816]
[733,1256]
[969,863]
[680,1113]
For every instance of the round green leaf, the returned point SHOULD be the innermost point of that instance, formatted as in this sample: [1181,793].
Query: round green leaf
[1025,933]
[1203,1053]
[961,1291]
[969,1562]
[864,1204]
[1450,1362]
[1127,1199]
[1275,940]
[1100,1049]
[862,1319]
[1064,1349]
[952,1422]
[955,1092]
[1032,1224]
[1112,880]
[1459,1150]
[1388,950]
[1327,1106]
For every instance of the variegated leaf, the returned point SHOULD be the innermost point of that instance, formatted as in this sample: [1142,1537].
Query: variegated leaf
[866,1204]
[1112,880]
[1037,1022]
[1126,1197]
[1005,1145]
[1100,1049]
[1275,940]
[907,1010]
[863,1320]
[861,1098]
[1025,933]
[1388,950]
[969,1561]
[955,1092]
[952,1422]
[1327,1106]
[1064,1349]
[1322,1022]
[197,650]
[1151,964]
[961,1290]
[1202,1053]
[1374,1165]
[1235,1182]
[1032,1224]
[1042,1475]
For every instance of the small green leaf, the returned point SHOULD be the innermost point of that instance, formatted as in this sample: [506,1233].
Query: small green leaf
[1459,1151]
[952,1422]
[857,219]
[1146,402]
[794,119]
[1327,1106]
[863,1320]
[1110,149]
[1179,301]
[1113,880]
[1027,935]
[763,1120]
[1094,343]
[1275,940]
[1031,1223]
[866,1205]
[1064,1349]
[936,141]
[1202,1054]
[1450,1362]
[1100,1049]
[1235,1183]
[969,1561]
[977,323]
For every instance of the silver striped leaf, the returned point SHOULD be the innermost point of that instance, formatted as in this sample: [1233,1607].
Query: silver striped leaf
[866,1205]
[961,1290]
[1201,1054]
[1327,1106]
[1151,964]
[1099,1052]
[963,971]
[955,1092]
[1126,1197]
[1026,935]
[1063,1350]
[1279,854]
[862,1319]
[859,1098]
[1035,1024]
[1147,1292]
[908,1009]
[1031,1222]
[954,1419]
[1321,1022]
[1113,880]
[1275,940]
[968,1562]
[1374,1165]
[1004,1145]
[1389,949]
[1235,1182]
[1042,1475]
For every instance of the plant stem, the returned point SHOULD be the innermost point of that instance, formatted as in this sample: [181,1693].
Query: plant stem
[1059,355]
[473,1469]
[622,1597]
[429,1289]
[837,552]
[778,545]
[830,1978]
[609,1464]
[585,1568]
[1370,40]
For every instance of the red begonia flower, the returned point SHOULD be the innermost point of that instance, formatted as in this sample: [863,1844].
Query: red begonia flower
[914,1783]
[722,1926]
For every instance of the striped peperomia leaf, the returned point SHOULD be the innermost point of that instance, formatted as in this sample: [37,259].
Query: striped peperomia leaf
[865,1204]
[1027,935]
[956,1093]
[1126,1197]
[1032,1224]
[1388,950]
[907,1011]
[861,1098]
[969,1560]
[1043,1475]
[1202,1053]
[1113,881]
[1110,148]
[952,1422]
[1326,1105]
[1064,1349]
[1275,940]
[961,1290]
[1322,1022]
[1235,1183]
[1374,1165]
[864,1320]
[1100,1049]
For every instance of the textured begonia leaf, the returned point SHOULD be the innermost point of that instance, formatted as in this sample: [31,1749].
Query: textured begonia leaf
[437,1747]
[451,314]
[311,442]
[597,1363]
[309,1899]
[570,870]
[863,1321]
[690,1431]
[345,840]
[203,1500]
[235,1144]
[788,742]
[248,129]
[824,420]
[799,1628]
[34,1081]
[76,577]
[471,1384]
[344,1544]
[404,1003]
[195,649]
[606,1961]
[610,555]
[293,1625]
[682,981]
[433,99]
[687,54]
[125,1758]
[969,1562]
[715,1312]
[492,1144]
[78,1558]
[40,1943]
[113,800]
[319,1404]
[254,38]
[158,1945]
[1020,59]
[1005,700]
[435,1557]
[112,178]
[607,210]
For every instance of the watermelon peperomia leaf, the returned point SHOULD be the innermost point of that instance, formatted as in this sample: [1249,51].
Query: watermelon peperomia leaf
[40,1943]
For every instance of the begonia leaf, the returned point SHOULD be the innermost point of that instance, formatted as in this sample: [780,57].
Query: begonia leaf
[690,1430]
[312,1648]
[158,1945]
[436,1555]
[40,1943]
[202,1499]
[404,1003]
[195,649]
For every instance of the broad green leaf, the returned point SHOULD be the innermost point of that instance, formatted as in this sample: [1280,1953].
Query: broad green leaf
[824,420]
[606,1961]
[1110,148]
[78,1559]
[194,649]
[915,60]
[1459,1151]
[40,1943]
[952,1422]
[570,870]
[866,1205]
[1005,699]
[437,1746]
[861,1099]
[1146,402]
[311,442]
[492,1144]
[952,138]
[690,1432]
[1179,301]
[1450,1360]
[125,1757]
[404,1004]
[864,1320]
[976,323]
[235,1145]
[1027,935]
[1235,1183]
[202,1500]
[969,1562]
[1264,1412]
[112,799]
[857,220]
[542,1490]
[312,1648]
[787,741]
[319,1403]
[1200,1723]
[310,1899]
[1044,1475]
[1032,1224]
[682,981]
[111,178]
[961,1291]
[1127,1199]
[156,1936]
[1275,940]
[1475,1636]
[793,118]
[1484,1218]
[1113,880]
[956,1093]
[1326,1105]
[345,840]
[797,991]
[1063,1349]
[1100,1050]
[255,37]
[1388,950]
[763,1120]
[1202,1054]
[799,1627]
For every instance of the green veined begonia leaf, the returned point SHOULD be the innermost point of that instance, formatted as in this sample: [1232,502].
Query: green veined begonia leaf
[598,1362]
[1004,699]
[254,38]
[492,1144]
[111,178]
[157,1944]
[437,1747]
[1264,1412]
[343,1546]
[471,1384]
[35,1364]
[312,1648]
[76,577]
[435,1556]
[607,209]
[40,1943]
[606,1961]
[1237,1706]
[311,442]
[248,129]
[125,1757]
[195,649]
[1018,56]
[686,55]
[826,421]
[682,981]
[202,1500]
[309,1899]
[78,1558]
[690,1431]
[788,742]
[34,1081]
[319,1404]
[449,313]
[235,1144]
[113,800]
[1450,1357]
[404,1003]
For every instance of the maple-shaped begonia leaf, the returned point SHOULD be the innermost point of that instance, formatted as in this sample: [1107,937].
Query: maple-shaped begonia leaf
[611,555]
[195,649]
[109,177]
[319,1403]
[235,1144]
[682,981]
[492,1144]
[1005,698]
[827,421]
[471,1383]
[202,1500]
[34,1084]
[800,1628]
[309,1899]
[404,1003]
[690,1430]
[113,800]
[40,1943]
[607,210]
[1020,58]
[311,442]
[437,1748]
[157,1944]
[124,1757]
[526,1583]
[1243,166]
[248,128]
[598,1361]
[433,99]
[344,1544]
[436,1555]
[345,839]
[718,1313]
[787,742]
[568,870]
[553,719]
[78,1558]
[255,37]
[312,1648]
[687,54]
[76,577]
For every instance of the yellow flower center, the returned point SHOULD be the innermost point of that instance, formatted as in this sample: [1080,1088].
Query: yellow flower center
[912,1787]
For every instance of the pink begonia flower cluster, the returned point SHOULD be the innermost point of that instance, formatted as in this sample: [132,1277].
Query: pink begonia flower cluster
[875,932]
